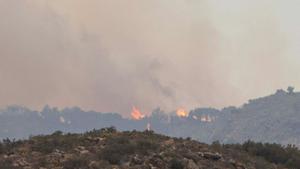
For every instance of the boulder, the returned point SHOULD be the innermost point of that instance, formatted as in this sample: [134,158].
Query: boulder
[212,156]
[191,165]
[136,160]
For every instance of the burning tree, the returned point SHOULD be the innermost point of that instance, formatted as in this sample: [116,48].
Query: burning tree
[136,114]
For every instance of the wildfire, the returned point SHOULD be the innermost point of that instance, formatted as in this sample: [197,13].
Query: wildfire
[136,114]
[182,113]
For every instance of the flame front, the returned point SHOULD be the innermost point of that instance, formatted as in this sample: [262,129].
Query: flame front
[136,114]
[182,113]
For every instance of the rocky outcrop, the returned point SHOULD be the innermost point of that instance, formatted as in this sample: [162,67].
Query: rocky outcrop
[120,150]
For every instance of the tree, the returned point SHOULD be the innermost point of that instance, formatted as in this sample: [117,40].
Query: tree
[290,90]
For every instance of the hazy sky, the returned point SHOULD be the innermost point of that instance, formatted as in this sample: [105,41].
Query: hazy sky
[108,55]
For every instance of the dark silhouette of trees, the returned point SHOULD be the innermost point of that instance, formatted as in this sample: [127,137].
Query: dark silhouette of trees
[290,90]
[289,155]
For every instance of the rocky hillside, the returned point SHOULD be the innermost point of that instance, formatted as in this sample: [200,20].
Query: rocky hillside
[108,149]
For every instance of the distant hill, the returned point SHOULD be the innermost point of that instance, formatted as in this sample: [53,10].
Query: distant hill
[274,118]
[108,148]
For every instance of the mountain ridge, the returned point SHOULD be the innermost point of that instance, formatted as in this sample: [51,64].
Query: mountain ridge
[273,118]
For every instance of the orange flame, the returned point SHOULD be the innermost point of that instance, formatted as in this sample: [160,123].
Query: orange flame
[182,113]
[136,114]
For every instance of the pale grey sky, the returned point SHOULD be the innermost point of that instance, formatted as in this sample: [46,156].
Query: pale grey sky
[109,55]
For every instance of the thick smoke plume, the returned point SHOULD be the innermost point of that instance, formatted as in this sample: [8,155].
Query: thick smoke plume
[112,55]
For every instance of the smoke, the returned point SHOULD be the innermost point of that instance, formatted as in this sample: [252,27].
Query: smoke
[112,55]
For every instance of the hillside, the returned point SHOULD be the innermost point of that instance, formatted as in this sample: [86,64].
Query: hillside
[274,118]
[108,148]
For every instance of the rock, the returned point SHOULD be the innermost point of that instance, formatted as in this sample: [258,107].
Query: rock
[100,139]
[237,165]
[13,156]
[90,138]
[58,151]
[156,161]
[28,167]
[83,152]
[191,165]
[20,163]
[169,142]
[93,164]
[67,156]
[35,154]
[201,154]
[80,148]
[240,166]
[212,156]
[191,155]
[115,167]
[95,139]
[152,167]
[136,160]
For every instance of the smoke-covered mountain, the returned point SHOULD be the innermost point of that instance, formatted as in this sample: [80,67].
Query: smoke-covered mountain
[275,118]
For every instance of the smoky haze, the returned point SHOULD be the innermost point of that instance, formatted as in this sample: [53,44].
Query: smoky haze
[112,55]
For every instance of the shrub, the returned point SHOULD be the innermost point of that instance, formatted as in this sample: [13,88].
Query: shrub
[76,163]
[57,133]
[119,147]
[262,164]
[288,156]
[116,148]
[143,146]
[176,164]
[6,164]
[111,129]
[8,145]
[93,133]
[216,146]
[1,148]
[46,144]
